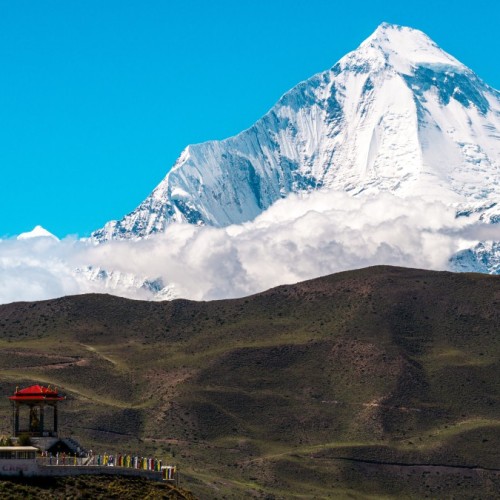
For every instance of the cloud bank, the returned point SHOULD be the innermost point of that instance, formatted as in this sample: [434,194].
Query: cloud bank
[298,238]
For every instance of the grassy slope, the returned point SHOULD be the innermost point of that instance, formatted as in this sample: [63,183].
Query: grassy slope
[298,391]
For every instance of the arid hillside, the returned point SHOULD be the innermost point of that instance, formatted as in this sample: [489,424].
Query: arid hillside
[381,382]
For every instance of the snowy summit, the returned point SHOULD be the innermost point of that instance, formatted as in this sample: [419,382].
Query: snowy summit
[405,49]
[397,114]
[36,232]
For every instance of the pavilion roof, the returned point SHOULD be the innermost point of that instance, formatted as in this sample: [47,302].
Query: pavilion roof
[36,393]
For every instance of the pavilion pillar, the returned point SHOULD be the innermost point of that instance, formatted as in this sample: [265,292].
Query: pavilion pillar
[16,419]
[55,419]
[40,426]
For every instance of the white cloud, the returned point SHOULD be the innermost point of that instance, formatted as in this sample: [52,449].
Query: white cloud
[298,238]
[35,269]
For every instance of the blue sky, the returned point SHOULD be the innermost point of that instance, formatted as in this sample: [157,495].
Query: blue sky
[99,97]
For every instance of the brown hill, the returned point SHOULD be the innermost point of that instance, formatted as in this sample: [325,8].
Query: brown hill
[377,382]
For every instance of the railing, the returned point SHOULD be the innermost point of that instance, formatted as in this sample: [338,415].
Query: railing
[130,463]
[64,460]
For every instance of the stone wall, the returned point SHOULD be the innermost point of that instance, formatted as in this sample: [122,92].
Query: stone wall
[74,470]
[18,467]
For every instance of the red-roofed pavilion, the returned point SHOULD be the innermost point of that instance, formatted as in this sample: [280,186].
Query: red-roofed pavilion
[38,399]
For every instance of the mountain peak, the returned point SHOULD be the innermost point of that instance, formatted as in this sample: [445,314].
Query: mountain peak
[385,27]
[397,114]
[36,232]
[404,48]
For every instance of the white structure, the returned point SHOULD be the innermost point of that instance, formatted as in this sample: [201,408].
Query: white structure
[18,461]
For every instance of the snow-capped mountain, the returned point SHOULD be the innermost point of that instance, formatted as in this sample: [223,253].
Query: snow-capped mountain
[484,257]
[397,114]
[36,232]
[124,284]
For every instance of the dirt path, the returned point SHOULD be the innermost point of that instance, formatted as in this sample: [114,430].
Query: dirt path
[99,354]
